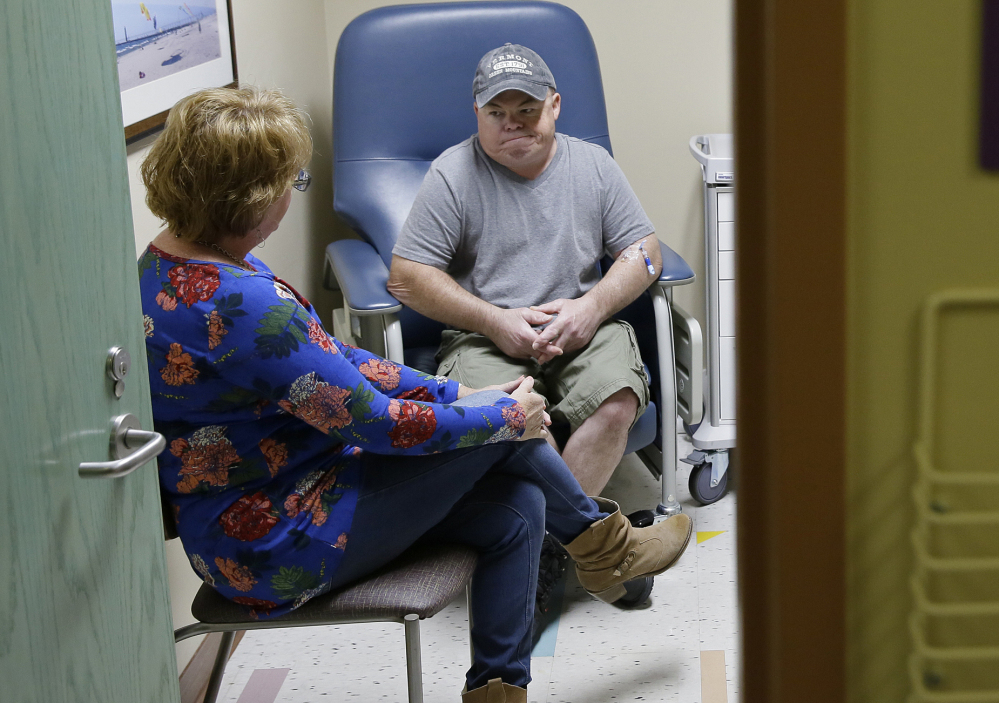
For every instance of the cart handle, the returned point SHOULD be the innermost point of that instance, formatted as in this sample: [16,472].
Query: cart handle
[700,148]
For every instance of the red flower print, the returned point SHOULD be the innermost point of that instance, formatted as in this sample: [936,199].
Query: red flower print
[321,405]
[514,422]
[275,454]
[301,298]
[167,302]
[239,577]
[283,291]
[341,541]
[249,518]
[178,446]
[308,496]
[187,484]
[254,604]
[312,501]
[206,459]
[514,417]
[194,282]
[202,568]
[418,393]
[318,335]
[384,373]
[415,423]
[216,329]
[319,513]
[180,367]
[293,504]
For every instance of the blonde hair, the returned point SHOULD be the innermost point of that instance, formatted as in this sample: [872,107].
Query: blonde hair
[225,156]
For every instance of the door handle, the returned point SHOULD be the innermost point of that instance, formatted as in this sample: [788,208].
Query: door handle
[130,448]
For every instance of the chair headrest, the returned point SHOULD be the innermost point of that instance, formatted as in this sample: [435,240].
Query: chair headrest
[403,74]
[402,94]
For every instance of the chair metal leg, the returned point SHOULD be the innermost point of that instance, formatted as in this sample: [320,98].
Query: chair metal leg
[667,389]
[393,338]
[414,662]
[468,601]
[218,669]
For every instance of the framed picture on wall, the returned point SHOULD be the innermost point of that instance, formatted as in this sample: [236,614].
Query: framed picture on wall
[167,51]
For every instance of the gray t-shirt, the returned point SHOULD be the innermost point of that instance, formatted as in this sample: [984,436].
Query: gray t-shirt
[514,242]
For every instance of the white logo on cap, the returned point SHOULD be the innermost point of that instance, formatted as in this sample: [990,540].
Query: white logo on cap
[509,64]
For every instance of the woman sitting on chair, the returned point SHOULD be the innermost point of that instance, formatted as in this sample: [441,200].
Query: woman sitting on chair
[298,464]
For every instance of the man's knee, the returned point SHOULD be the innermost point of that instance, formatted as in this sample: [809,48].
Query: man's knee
[619,409]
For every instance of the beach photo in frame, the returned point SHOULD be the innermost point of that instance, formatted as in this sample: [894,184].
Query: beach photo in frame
[167,51]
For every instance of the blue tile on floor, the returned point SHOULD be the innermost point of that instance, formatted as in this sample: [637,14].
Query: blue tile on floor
[546,643]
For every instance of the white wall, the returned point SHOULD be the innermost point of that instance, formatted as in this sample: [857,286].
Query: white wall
[667,73]
[277,46]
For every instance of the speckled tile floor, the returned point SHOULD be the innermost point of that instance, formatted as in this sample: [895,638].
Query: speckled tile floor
[591,653]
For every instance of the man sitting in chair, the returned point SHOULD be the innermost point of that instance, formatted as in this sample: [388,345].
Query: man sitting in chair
[502,245]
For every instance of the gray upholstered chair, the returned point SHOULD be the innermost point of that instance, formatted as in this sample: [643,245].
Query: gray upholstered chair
[415,586]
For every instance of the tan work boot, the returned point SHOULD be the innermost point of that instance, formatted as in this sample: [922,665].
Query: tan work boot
[495,692]
[611,551]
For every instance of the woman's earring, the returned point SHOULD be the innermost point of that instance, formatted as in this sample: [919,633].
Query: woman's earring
[260,239]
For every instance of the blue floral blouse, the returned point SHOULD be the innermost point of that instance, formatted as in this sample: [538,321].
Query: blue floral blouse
[266,417]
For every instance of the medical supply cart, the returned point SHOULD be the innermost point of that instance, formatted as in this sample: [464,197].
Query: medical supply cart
[714,436]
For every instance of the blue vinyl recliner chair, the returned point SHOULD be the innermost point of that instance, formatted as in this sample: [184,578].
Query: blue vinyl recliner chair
[402,94]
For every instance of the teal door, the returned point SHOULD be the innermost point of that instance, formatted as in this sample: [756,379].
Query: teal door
[83,587]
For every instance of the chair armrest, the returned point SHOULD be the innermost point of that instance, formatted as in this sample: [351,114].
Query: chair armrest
[361,275]
[675,271]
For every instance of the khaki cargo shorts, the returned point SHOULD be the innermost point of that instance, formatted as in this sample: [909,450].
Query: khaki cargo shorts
[573,384]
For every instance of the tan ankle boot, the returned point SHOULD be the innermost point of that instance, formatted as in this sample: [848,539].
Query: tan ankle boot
[611,551]
[495,692]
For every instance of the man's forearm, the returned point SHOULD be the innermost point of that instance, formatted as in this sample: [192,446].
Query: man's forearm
[434,293]
[626,279]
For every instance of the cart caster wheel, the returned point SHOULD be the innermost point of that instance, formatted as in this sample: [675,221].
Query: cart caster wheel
[639,591]
[701,489]
[642,518]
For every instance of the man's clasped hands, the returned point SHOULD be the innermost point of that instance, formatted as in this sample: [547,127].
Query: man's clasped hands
[545,331]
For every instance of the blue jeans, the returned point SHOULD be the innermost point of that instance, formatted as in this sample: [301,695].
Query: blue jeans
[498,499]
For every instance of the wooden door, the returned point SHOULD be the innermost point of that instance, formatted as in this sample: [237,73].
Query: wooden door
[791,156]
[84,610]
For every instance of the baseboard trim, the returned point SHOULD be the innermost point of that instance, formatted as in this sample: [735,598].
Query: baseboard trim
[194,679]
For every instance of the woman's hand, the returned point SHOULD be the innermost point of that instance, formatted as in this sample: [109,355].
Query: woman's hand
[508,387]
[534,408]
